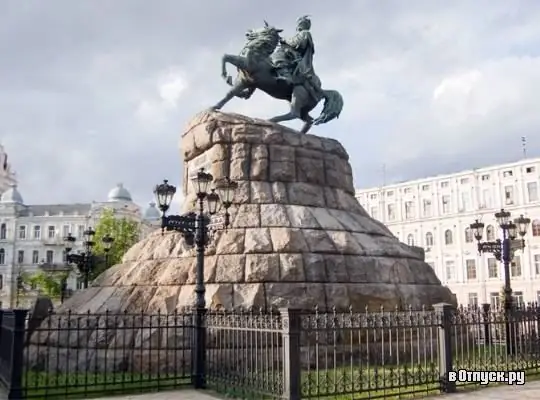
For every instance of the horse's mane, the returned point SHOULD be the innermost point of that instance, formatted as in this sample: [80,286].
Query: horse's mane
[262,40]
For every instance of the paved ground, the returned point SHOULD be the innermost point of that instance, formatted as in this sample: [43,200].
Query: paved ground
[172,395]
[528,392]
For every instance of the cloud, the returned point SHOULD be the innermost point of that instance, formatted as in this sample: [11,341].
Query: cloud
[96,93]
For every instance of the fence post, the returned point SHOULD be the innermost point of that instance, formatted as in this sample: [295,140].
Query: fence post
[198,352]
[291,326]
[17,355]
[486,323]
[446,312]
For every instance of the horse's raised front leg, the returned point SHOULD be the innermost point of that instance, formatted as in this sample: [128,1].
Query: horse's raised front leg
[236,91]
[238,61]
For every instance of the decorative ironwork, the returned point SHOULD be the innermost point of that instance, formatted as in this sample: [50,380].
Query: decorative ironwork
[253,354]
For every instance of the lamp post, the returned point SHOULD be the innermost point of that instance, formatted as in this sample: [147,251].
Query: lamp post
[20,287]
[107,240]
[63,289]
[84,260]
[196,228]
[503,250]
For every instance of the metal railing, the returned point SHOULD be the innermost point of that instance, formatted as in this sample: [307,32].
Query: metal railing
[287,354]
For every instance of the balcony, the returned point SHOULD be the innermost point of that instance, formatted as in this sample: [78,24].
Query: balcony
[54,267]
[56,241]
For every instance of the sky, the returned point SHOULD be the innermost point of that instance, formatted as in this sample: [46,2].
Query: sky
[97,92]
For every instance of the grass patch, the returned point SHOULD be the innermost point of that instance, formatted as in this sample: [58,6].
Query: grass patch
[47,385]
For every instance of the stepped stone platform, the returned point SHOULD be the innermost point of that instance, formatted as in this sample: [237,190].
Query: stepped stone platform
[298,238]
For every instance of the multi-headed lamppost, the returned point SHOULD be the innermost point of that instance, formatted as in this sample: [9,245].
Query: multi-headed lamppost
[85,259]
[195,228]
[503,250]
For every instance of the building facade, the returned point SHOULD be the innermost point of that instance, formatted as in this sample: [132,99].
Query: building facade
[435,213]
[32,236]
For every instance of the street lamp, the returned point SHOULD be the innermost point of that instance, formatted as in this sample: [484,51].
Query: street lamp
[107,240]
[85,259]
[196,229]
[20,286]
[503,250]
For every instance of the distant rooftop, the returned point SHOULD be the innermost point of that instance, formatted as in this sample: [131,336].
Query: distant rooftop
[454,174]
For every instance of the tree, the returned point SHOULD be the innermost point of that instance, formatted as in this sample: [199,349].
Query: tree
[125,233]
[48,283]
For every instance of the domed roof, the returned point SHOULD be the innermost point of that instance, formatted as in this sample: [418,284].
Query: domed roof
[152,213]
[12,195]
[119,193]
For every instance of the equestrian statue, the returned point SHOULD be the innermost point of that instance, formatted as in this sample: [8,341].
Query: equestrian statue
[282,68]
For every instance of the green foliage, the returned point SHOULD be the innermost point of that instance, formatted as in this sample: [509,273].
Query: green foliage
[125,233]
[47,283]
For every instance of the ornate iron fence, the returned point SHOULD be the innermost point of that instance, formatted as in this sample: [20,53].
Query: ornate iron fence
[290,354]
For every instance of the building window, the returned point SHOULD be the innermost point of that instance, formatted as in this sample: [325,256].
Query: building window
[80,231]
[464,181]
[450,270]
[429,239]
[508,195]
[508,174]
[471,269]
[374,213]
[518,298]
[65,229]
[448,237]
[490,233]
[3,231]
[410,239]
[426,208]
[446,204]
[532,191]
[529,170]
[515,267]
[538,297]
[486,196]
[444,184]
[373,196]
[468,235]
[37,232]
[536,227]
[20,257]
[35,257]
[407,190]
[485,177]
[22,232]
[465,201]
[2,256]
[473,299]
[49,256]
[51,232]
[537,264]
[495,300]
[493,268]
[1,281]
[390,193]
[391,212]
[409,210]
[425,188]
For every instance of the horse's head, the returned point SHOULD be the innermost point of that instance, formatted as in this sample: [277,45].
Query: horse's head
[264,39]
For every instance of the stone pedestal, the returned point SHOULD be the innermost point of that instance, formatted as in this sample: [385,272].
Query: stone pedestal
[298,238]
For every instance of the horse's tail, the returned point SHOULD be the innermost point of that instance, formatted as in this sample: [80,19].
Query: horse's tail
[333,104]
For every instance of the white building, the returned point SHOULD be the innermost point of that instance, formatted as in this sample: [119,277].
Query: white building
[32,235]
[435,213]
